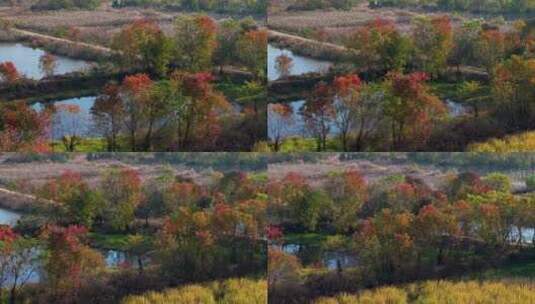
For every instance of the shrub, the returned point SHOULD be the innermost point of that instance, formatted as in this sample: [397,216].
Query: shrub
[530,182]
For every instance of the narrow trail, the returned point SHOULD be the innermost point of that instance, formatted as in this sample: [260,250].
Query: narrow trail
[7,197]
[97,48]
[336,47]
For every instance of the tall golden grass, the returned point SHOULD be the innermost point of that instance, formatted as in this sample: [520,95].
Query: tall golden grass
[443,292]
[524,142]
[231,291]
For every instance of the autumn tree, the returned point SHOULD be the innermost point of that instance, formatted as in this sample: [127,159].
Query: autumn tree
[280,120]
[17,263]
[79,204]
[386,244]
[283,65]
[491,48]
[347,99]
[513,90]
[409,107]
[23,128]
[107,112]
[48,64]
[253,55]
[68,260]
[228,34]
[464,50]
[8,72]
[283,268]
[349,192]
[195,42]
[135,94]
[319,114]
[433,42]
[380,46]
[122,194]
[144,43]
[196,108]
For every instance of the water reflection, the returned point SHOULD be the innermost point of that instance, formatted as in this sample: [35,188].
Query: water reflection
[316,255]
[300,64]
[8,217]
[297,127]
[73,116]
[26,60]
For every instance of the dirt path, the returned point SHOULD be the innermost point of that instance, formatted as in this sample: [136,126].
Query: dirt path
[97,48]
[336,47]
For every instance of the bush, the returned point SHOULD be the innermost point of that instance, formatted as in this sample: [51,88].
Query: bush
[530,182]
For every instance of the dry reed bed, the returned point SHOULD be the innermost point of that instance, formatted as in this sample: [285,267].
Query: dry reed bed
[338,24]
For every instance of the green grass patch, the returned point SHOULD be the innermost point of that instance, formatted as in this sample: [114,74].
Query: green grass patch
[110,241]
[93,144]
[302,144]
[513,270]
[445,90]
[305,238]
[87,145]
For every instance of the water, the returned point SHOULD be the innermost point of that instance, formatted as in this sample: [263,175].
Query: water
[117,258]
[314,255]
[527,235]
[26,60]
[301,65]
[8,217]
[297,127]
[456,109]
[68,123]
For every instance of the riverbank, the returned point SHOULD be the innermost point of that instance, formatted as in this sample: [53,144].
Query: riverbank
[310,48]
[21,202]
[57,46]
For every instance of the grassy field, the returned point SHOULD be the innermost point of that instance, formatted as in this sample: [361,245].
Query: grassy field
[464,292]
[522,142]
[231,291]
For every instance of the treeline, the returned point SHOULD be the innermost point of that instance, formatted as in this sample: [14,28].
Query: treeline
[475,6]
[398,228]
[257,7]
[178,230]
[301,5]
[66,4]
[398,107]
[176,105]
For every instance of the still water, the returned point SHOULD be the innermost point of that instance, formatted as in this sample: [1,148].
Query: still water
[8,217]
[300,64]
[26,60]
[69,122]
